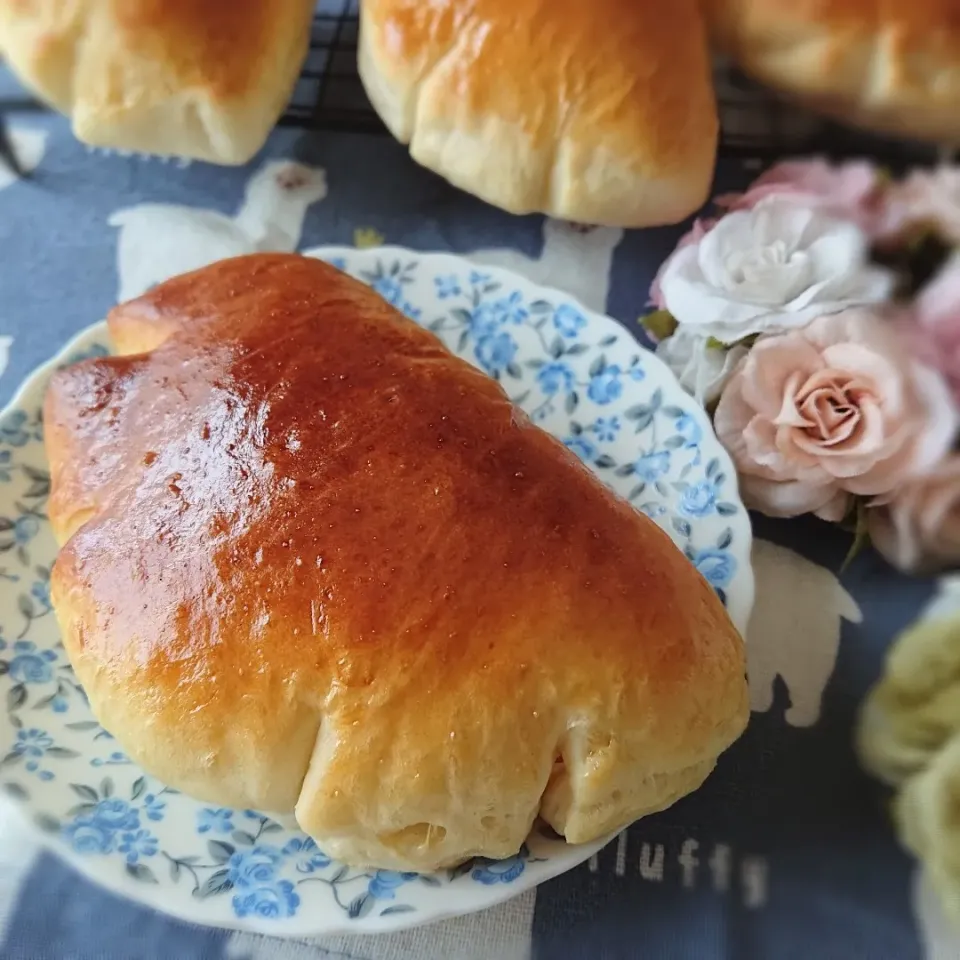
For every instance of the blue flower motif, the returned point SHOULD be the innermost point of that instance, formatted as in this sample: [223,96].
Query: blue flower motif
[41,593]
[606,386]
[30,666]
[637,374]
[489,872]
[555,377]
[689,429]
[273,901]
[114,814]
[32,742]
[511,309]
[606,428]
[716,566]
[495,351]
[389,288]
[339,263]
[582,447]
[409,310]
[153,807]
[215,820]
[45,775]
[383,884]
[306,854]
[484,320]
[25,528]
[142,843]
[88,836]
[59,704]
[13,428]
[254,867]
[6,458]
[652,466]
[699,499]
[568,320]
[448,286]
[477,278]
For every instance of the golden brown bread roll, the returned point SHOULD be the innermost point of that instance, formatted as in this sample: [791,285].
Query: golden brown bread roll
[892,66]
[205,79]
[313,561]
[596,112]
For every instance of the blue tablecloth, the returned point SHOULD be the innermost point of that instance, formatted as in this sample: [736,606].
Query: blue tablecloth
[787,852]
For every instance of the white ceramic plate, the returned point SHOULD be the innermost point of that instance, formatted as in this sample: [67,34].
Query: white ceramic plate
[580,376]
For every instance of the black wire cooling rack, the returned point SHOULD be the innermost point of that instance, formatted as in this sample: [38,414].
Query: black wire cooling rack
[755,124]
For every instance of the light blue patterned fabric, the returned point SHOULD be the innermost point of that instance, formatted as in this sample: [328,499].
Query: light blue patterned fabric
[785,853]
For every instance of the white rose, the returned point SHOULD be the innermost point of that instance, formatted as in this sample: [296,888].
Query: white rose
[701,369]
[770,269]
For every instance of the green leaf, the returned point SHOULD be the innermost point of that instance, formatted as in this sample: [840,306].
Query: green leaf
[220,852]
[47,823]
[660,324]
[139,785]
[141,872]
[360,906]
[399,908]
[25,606]
[62,753]
[861,535]
[16,791]
[218,882]
[16,697]
[460,870]
[242,837]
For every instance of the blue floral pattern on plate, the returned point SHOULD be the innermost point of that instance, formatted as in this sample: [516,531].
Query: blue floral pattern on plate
[581,377]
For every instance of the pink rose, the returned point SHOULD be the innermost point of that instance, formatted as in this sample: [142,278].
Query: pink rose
[701,227]
[920,527]
[837,408]
[926,199]
[934,323]
[849,191]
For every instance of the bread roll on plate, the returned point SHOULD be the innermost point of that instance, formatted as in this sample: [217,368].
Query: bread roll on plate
[313,562]
[892,66]
[205,79]
[597,112]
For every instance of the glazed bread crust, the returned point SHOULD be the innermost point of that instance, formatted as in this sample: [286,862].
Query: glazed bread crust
[892,66]
[597,112]
[314,562]
[205,79]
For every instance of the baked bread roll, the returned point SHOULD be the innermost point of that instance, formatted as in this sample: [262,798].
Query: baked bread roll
[598,112]
[312,562]
[891,66]
[204,79]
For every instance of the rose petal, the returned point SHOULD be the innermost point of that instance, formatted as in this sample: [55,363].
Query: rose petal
[790,498]
[771,363]
[940,414]
[835,509]
[883,371]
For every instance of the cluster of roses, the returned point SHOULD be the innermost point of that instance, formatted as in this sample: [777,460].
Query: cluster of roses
[818,316]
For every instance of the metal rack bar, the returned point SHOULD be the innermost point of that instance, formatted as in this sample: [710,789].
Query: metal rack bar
[755,124]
